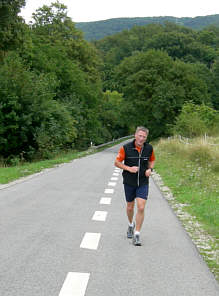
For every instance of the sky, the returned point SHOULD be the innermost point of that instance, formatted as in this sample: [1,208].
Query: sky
[95,10]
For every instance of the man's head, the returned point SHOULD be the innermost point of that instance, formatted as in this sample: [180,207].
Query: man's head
[141,134]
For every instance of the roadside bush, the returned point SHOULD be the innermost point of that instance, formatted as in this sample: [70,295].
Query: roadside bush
[13,161]
[56,131]
[196,120]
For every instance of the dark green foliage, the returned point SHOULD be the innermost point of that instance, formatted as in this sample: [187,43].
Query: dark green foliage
[155,87]
[113,114]
[11,26]
[50,90]
[179,42]
[100,29]
[181,45]
[31,120]
[215,90]
[158,68]
[58,48]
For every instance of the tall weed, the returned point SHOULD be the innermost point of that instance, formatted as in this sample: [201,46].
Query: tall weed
[201,154]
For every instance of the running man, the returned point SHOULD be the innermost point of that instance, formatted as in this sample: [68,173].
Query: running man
[136,159]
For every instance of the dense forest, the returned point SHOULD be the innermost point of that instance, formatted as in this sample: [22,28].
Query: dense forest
[100,29]
[158,68]
[59,91]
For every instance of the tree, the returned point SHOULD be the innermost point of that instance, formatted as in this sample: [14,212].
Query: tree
[215,95]
[30,120]
[179,42]
[112,114]
[53,26]
[11,25]
[58,48]
[155,87]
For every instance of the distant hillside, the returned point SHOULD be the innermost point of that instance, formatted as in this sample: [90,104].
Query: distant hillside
[99,29]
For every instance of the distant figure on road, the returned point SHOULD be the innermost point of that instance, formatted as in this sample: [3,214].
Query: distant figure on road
[138,158]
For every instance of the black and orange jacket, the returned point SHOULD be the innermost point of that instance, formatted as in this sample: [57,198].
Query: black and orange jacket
[136,156]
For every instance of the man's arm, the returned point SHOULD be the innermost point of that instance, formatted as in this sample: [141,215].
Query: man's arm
[124,167]
[150,166]
[119,162]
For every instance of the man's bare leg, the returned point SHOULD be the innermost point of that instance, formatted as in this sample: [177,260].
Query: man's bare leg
[140,213]
[130,210]
[130,214]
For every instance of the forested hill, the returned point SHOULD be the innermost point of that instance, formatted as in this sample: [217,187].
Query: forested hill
[99,29]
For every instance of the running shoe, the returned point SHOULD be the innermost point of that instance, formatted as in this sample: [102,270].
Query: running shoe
[130,231]
[136,240]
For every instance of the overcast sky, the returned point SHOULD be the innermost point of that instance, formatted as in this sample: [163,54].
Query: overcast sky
[94,10]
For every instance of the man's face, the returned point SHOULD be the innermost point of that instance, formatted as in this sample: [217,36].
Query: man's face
[140,138]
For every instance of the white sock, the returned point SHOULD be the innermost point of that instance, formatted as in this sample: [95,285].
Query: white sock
[131,224]
[137,232]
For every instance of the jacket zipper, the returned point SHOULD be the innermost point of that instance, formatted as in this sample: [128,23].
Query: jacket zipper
[139,163]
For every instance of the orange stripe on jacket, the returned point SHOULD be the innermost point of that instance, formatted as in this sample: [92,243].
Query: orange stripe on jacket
[121,154]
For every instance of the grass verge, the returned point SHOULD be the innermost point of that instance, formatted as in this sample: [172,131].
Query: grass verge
[9,174]
[191,172]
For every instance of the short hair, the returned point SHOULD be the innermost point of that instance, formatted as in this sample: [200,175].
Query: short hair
[143,129]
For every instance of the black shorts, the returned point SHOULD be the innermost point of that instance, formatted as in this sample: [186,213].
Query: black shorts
[132,192]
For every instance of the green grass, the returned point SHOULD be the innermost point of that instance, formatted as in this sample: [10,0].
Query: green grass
[8,174]
[11,173]
[192,174]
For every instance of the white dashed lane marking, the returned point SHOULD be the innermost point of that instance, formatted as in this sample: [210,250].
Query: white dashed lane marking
[90,241]
[99,216]
[109,190]
[116,174]
[75,284]
[112,184]
[114,179]
[105,200]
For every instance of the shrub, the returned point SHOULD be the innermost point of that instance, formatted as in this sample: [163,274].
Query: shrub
[196,120]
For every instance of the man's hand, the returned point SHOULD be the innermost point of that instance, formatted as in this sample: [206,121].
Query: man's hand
[148,172]
[133,169]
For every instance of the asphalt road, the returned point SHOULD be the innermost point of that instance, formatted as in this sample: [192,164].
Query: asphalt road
[43,221]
